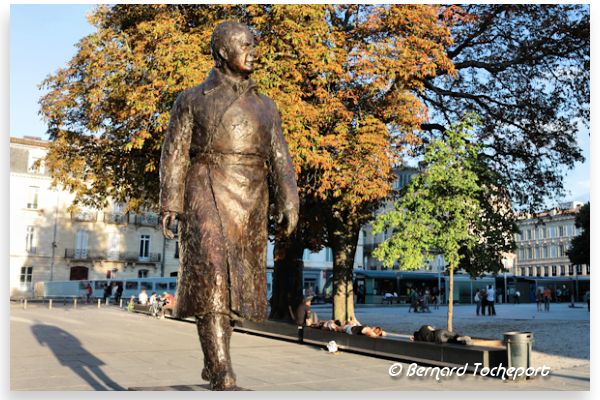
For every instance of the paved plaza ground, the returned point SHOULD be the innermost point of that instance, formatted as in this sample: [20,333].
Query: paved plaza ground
[110,349]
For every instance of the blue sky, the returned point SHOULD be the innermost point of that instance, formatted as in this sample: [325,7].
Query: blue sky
[43,39]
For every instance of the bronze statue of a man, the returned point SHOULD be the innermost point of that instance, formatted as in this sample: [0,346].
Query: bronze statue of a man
[223,146]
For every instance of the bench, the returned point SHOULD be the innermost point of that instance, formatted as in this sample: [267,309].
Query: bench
[488,353]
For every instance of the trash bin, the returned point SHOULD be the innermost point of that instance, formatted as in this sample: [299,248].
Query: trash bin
[518,349]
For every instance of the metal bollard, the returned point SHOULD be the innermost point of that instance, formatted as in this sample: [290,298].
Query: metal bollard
[50,304]
[518,349]
[121,303]
[75,303]
[25,304]
[98,303]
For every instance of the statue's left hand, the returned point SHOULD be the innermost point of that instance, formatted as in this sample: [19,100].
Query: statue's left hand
[290,216]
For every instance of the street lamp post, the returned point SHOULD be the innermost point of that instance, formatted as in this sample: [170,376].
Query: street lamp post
[54,245]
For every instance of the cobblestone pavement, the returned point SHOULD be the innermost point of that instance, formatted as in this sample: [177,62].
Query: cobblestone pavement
[109,349]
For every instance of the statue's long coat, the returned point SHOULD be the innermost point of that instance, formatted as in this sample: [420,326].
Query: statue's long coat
[223,145]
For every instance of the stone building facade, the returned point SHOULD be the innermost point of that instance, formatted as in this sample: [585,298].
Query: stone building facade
[543,243]
[48,242]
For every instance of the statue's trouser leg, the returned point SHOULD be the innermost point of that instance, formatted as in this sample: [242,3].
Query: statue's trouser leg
[214,331]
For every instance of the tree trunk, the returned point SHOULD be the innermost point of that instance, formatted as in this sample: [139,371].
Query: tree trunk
[287,278]
[343,237]
[450,296]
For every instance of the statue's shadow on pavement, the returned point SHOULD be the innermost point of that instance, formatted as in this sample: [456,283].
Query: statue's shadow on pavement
[68,350]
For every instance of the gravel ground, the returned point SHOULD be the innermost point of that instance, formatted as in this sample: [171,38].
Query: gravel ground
[561,336]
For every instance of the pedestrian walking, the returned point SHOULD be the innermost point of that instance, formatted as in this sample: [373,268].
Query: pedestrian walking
[477,300]
[483,297]
[414,300]
[118,293]
[517,297]
[491,298]
[547,297]
[586,298]
[88,292]
[435,298]
[106,293]
[538,298]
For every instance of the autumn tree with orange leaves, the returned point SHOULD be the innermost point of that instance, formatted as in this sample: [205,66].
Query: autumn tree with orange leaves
[343,76]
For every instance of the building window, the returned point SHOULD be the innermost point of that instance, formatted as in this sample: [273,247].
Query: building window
[538,271]
[26,274]
[113,250]
[328,254]
[537,253]
[545,251]
[29,248]
[561,250]
[78,274]
[587,269]
[528,234]
[578,269]
[530,253]
[546,271]
[531,271]
[523,271]
[32,197]
[81,244]
[561,231]
[36,165]
[554,270]
[544,233]
[562,270]
[176,249]
[570,269]
[144,247]
[143,273]
[306,255]
[553,251]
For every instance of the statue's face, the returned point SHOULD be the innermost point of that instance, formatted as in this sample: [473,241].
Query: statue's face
[240,51]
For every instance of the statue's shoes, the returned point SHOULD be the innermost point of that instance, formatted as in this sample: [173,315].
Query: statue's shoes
[224,381]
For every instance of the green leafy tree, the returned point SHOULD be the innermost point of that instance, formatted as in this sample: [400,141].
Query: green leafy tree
[524,70]
[579,252]
[446,209]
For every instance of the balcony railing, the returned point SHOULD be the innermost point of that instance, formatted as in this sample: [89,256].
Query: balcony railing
[85,254]
[84,216]
[146,219]
[114,218]
[135,257]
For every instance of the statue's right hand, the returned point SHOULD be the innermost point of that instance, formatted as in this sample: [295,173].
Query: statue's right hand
[168,219]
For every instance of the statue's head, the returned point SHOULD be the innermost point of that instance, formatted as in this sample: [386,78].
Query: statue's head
[232,47]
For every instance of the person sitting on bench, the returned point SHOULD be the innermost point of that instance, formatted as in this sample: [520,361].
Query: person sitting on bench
[429,334]
[332,325]
[303,315]
[363,330]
